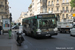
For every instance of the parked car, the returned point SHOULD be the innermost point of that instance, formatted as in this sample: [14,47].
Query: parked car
[72,31]
[15,27]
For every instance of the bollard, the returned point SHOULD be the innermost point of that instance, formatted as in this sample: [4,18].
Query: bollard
[9,34]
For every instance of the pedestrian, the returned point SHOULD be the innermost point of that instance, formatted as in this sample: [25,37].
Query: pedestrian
[0,29]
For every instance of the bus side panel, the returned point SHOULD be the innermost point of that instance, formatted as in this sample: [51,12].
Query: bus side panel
[33,27]
[26,27]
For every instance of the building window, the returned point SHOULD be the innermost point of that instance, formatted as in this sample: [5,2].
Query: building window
[2,10]
[57,9]
[52,9]
[63,8]
[57,1]
[25,14]
[2,17]
[67,1]
[52,2]
[63,16]
[49,3]
[1,2]
[67,16]
[66,8]
[49,9]
[63,1]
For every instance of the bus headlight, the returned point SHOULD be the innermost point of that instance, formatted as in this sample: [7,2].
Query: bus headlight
[56,29]
[38,30]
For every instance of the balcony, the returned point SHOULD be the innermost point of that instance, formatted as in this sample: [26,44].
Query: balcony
[51,5]
[3,13]
[57,4]
[65,11]
[1,5]
[57,12]
[65,4]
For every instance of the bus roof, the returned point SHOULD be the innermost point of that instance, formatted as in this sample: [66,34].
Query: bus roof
[44,13]
[38,14]
[41,14]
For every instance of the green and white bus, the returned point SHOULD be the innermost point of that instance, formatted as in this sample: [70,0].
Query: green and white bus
[40,25]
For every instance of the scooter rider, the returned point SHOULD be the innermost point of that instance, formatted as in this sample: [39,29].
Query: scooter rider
[20,38]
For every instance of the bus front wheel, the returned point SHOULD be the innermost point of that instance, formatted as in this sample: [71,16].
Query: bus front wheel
[26,33]
[50,36]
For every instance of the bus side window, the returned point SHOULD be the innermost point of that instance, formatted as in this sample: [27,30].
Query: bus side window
[34,22]
[31,23]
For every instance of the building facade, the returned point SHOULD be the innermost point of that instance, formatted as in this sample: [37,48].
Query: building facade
[61,8]
[22,16]
[39,6]
[30,13]
[4,10]
[34,7]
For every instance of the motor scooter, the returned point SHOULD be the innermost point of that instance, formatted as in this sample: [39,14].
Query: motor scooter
[20,39]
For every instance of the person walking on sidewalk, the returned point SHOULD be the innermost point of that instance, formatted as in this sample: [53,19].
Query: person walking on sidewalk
[0,29]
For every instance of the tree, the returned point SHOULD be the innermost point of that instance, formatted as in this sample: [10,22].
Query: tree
[72,3]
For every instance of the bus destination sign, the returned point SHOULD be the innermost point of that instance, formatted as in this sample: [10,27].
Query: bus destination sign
[46,16]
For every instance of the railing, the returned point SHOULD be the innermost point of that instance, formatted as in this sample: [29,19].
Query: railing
[65,11]
[1,5]
[57,4]
[51,5]
[65,3]
[57,11]
[3,13]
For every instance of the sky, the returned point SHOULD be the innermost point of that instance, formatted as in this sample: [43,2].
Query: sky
[18,6]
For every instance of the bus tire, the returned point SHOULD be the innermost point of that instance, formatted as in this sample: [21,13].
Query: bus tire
[50,36]
[60,31]
[26,33]
[31,34]
[70,35]
[68,31]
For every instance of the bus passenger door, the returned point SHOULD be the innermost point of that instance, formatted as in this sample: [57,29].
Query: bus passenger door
[34,26]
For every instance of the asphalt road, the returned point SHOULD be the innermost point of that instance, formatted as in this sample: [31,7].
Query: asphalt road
[59,42]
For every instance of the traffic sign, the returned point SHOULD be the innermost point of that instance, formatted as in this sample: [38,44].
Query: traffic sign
[73,15]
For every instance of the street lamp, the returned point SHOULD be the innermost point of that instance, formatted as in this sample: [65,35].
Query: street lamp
[10,17]
[10,25]
[10,20]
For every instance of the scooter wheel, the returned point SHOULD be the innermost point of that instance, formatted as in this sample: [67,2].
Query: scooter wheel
[18,44]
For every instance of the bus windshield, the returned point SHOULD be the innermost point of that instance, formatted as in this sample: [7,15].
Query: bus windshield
[47,23]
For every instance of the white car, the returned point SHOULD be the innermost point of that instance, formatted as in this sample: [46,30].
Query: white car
[72,32]
[13,26]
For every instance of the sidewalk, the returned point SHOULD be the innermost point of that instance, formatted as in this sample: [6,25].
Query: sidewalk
[6,43]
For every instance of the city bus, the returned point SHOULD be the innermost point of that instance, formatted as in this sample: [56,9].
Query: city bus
[40,25]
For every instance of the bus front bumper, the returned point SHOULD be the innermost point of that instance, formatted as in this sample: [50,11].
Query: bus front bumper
[47,33]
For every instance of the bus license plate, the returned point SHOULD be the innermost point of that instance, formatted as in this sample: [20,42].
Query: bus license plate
[47,34]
